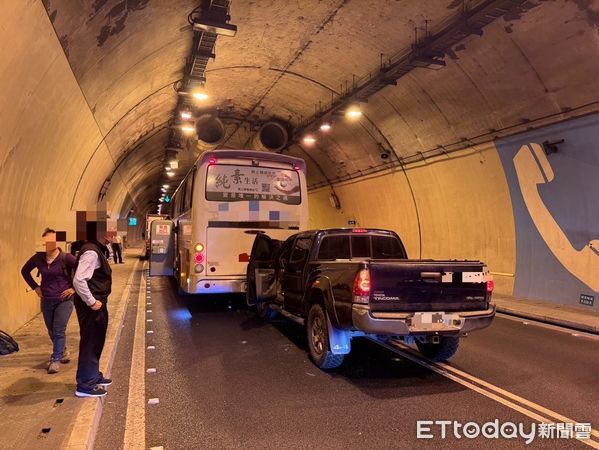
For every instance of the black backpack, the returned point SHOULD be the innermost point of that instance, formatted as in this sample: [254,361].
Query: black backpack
[7,344]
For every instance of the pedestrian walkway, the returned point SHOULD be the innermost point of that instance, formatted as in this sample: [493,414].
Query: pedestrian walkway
[579,318]
[40,411]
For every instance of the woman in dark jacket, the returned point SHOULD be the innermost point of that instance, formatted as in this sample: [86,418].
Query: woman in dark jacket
[56,293]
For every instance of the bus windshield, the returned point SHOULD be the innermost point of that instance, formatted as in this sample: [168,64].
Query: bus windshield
[232,183]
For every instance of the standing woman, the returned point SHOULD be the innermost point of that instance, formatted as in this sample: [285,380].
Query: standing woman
[56,293]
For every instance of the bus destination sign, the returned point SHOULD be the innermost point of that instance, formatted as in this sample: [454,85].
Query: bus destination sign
[228,183]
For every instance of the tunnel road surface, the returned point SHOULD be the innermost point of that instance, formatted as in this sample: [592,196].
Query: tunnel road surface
[216,376]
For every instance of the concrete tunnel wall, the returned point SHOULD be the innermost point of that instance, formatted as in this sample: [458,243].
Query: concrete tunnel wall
[457,207]
[73,116]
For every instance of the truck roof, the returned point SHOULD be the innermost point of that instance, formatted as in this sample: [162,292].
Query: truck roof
[347,230]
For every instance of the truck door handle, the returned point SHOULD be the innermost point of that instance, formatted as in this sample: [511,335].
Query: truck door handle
[429,275]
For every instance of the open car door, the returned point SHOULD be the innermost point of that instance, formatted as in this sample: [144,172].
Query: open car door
[262,284]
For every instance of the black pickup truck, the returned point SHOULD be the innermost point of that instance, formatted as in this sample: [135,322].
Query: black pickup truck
[343,283]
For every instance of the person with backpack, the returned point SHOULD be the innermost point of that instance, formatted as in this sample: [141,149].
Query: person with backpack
[93,285]
[55,292]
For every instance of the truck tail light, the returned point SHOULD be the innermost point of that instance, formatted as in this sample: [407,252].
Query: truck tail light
[490,285]
[488,280]
[362,286]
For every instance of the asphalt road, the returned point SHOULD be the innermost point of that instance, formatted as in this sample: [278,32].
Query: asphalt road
[227,379]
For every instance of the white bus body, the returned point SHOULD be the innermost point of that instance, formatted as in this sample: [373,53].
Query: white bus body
[228,197]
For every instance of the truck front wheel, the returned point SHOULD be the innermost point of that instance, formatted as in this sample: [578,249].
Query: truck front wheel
[442,351]
[318,340]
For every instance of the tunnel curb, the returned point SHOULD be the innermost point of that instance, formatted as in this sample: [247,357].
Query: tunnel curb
[87,421]
[549,320]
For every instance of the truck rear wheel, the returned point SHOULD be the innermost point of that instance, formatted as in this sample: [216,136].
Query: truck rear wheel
[318,340]
[442,351]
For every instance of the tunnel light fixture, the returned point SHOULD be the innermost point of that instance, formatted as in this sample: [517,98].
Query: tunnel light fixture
[188,128]
[353,112]
[325,127]
[168,167]
[309,139]
[185,114]
[171,174]
[165,186]
[212,26]
[199,94]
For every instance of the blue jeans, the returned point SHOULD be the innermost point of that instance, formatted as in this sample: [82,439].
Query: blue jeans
[56,316]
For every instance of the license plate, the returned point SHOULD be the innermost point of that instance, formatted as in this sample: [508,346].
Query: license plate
[435,321]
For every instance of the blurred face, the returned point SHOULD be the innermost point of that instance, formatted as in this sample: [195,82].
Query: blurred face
[49,241]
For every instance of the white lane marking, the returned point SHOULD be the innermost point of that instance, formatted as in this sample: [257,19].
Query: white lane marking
[550,326]
[467,380]
[135,422]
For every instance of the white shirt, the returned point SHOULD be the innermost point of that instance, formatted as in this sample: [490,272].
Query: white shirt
[88,263]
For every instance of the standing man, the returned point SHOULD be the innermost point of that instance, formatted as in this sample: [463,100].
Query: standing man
[117,245]
[93,283]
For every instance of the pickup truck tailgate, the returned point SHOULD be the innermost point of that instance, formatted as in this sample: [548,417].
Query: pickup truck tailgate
[420,285]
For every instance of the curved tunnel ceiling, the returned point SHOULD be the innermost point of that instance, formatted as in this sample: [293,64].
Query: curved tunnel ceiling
[290,57]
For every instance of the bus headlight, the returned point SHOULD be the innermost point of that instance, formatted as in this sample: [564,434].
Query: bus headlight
[199,268]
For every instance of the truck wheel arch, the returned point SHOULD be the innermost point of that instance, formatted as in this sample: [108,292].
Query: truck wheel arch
[321,296]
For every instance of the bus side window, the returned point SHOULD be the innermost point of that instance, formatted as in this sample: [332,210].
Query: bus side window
[183,200]
[189,191]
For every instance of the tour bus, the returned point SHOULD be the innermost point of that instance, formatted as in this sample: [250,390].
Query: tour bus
[224,201]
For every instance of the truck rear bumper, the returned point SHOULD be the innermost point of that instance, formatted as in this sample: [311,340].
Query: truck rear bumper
[400,324]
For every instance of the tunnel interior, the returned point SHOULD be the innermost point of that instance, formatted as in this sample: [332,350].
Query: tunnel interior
[475,135]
